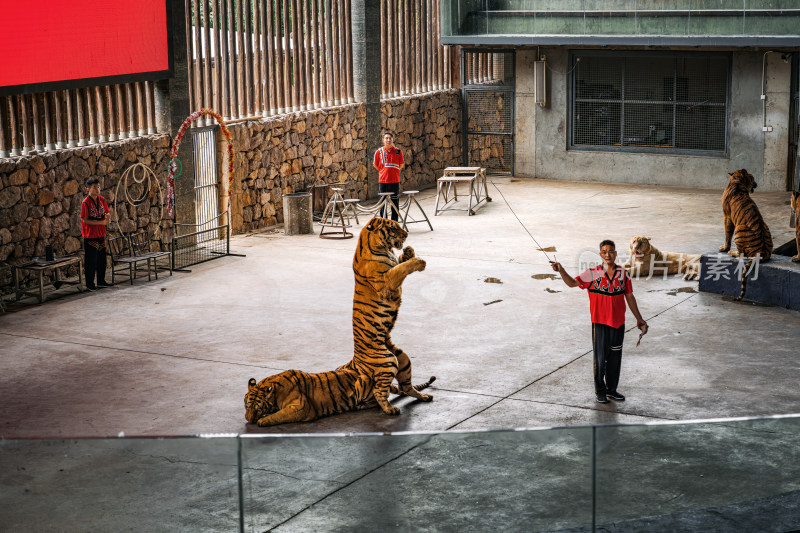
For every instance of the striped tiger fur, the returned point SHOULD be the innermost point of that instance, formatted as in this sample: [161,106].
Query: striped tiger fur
[742,219]
[296,396]
[379,275]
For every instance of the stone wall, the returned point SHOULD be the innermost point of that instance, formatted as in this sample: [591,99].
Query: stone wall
[291,153]
[41,195]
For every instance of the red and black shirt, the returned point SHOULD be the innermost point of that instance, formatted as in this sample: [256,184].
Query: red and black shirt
[606,294]
[388,163]
[93,210]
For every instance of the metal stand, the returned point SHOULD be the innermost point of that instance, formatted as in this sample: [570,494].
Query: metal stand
[410,198]
[335,208]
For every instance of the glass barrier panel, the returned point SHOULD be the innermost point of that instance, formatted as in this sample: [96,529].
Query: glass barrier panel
[733,475]
[536,480]
[125,484]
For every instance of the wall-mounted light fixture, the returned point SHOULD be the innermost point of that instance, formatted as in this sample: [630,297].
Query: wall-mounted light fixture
[540,90]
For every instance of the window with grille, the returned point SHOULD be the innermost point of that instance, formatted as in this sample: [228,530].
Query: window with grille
[649,102]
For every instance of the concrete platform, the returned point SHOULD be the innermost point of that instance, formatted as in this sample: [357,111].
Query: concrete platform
[774,282]
[173,356]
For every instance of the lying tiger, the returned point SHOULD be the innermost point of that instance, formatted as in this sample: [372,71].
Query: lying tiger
[296,396]
[743,219]
[647,260]
[365,381]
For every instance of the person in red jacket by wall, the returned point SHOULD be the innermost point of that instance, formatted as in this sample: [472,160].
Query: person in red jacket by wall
[95,217]
[389,162]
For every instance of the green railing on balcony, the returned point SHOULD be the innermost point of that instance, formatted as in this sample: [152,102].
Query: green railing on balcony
[716,475]
[650,22]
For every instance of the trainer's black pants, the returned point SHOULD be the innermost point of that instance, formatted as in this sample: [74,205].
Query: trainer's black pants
[607,343]
[94,261]
[393,188]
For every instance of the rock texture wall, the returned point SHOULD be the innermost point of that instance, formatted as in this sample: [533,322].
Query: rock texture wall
[40,196]
[292,153]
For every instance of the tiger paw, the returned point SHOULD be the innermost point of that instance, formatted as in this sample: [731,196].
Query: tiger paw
[724,248]
[391,410]
[426,397]
[796,258]
[408,253]
[419,264]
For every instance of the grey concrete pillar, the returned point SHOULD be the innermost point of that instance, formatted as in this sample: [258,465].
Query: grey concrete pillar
[366,23]
[172,107]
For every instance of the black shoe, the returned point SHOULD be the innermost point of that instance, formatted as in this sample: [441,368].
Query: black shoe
[617,397]
[601,398]
[91,288]
[103,285]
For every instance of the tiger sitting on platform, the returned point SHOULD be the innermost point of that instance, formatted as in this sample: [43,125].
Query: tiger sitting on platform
[743,219]
[647,260]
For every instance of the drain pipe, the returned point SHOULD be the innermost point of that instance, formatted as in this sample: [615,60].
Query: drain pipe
[764,126]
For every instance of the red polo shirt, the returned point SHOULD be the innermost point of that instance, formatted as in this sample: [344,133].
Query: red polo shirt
[93,210]
[606,295]
[388,163]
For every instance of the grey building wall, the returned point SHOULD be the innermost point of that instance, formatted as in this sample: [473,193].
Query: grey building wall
[541,133]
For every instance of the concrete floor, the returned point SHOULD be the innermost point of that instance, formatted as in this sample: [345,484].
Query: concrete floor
[173,356]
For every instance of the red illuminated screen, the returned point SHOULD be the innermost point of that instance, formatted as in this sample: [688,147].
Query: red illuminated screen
[46,41]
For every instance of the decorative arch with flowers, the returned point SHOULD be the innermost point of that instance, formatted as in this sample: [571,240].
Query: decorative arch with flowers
[175,168]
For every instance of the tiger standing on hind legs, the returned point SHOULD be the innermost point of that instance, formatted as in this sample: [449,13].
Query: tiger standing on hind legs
[743,221]
[379,276]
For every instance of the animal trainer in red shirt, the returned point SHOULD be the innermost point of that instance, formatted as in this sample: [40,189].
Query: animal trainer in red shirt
[389,162]
[609,286]
[94,219]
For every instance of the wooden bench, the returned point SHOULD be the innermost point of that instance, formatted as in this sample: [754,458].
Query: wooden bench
[129,251]
[447,188]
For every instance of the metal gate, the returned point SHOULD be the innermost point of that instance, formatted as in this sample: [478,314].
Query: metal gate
[487,81]
[206,185]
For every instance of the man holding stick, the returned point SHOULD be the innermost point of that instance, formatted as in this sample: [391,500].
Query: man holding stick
[610,288]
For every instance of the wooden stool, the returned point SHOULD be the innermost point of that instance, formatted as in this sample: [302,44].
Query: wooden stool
[410,198]
[385,203]
[335,206]
[350,207]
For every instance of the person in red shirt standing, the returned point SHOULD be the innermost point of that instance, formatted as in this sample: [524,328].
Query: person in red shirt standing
[609,287]
[95,217]
[389,162]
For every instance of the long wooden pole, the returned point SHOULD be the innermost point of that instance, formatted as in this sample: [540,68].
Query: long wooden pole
[217,57]
[348,49]
[58,97]
[271,78]
[285,54]
[191,65]
[247,42]
[263,58]
[196,59]
[308,33]
[38,146]
[206,58]
[4,149]
[241,60]
[12,126]
[384,52]
[317,54]
[225,52]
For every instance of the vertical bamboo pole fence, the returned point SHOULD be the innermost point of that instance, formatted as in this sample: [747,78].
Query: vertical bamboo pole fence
[384,53]
[272,78]
[205,57]
[263,58]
